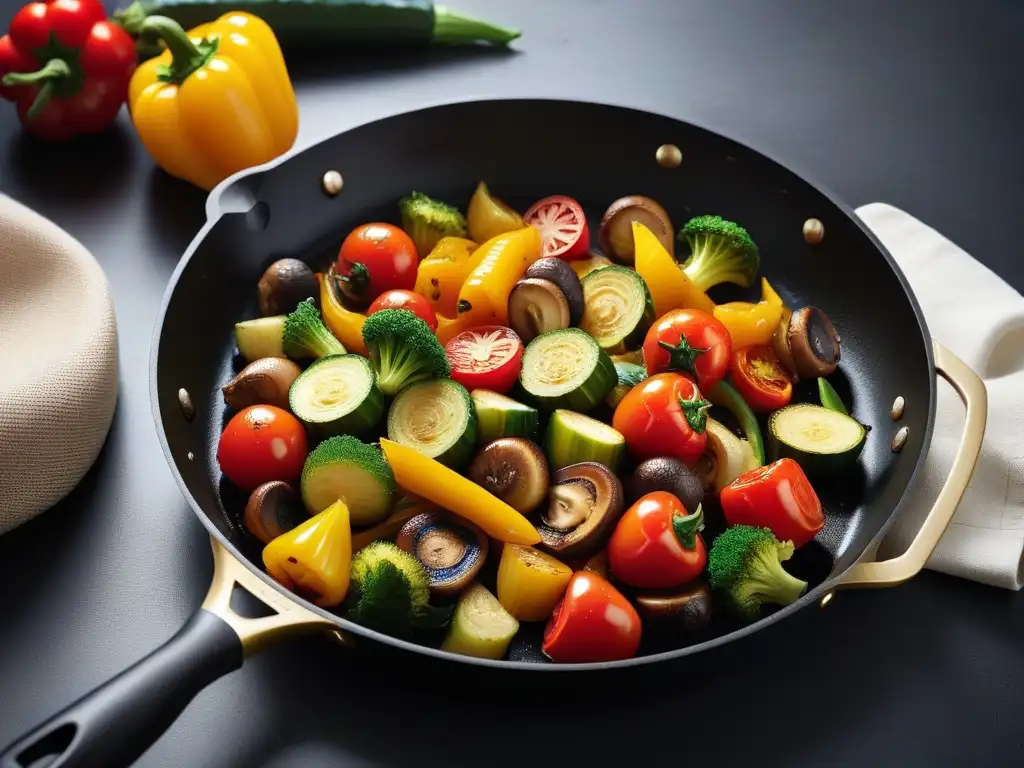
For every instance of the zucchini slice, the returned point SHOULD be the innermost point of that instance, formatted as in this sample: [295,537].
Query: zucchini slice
[573,437]
[822,441]
[501,416]
[480,627]
[437,419]
[617,308]
[567,369]
[347,469]
[262,337]
[337,395]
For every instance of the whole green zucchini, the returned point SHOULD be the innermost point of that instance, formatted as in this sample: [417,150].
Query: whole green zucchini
[305,24]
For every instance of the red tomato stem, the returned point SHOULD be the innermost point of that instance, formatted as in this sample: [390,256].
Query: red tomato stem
[686,527]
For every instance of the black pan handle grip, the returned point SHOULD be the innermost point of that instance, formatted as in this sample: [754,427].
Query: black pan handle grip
[118,721]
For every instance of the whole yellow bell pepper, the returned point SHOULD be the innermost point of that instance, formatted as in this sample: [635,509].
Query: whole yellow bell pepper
[441,274]
[500,262]
[218,100]
[749,324]
[315,557]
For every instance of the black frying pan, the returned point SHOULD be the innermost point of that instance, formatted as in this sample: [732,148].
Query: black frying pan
[524,149]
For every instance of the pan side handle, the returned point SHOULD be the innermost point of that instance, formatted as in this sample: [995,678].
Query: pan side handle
[115,723]
[971,389]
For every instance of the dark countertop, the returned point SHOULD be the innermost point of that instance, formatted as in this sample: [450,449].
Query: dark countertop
[907,102]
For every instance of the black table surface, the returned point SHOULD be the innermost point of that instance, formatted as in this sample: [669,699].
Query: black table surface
[914,103]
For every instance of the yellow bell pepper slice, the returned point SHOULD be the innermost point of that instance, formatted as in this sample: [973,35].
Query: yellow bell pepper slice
[503,261]
[749,324]
[343,323]
[448,489]
[488,217]
[441,274]
[669,286]
[218,100]
[530,583]
[584,267]
[315,557]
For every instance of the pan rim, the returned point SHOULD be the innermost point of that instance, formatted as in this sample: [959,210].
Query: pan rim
[213,215]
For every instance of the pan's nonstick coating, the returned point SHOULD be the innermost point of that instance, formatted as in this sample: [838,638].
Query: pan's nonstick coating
[524,150]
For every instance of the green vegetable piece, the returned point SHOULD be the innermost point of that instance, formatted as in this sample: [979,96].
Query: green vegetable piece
[260,338]
[617,308]
[725,395]
[830,398]
[573,437]
[391,591]
[305,336]
[567,369]
[629,375]
[437,419]
[347,469]
[337,395]
[720,252]
[501,416]
[403,350]
[426,221]
[822,441]
[745,565]
[481,627]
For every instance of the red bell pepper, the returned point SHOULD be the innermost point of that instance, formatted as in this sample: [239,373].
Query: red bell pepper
[778,496]
[65,67]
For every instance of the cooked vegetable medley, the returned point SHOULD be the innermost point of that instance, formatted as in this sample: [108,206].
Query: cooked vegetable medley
[473,420]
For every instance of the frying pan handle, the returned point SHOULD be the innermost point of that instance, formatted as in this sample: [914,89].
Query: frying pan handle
[114,724]
[971,389]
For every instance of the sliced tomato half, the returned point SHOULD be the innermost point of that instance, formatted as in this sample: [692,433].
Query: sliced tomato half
[760,379]
[486,357]
[562,225]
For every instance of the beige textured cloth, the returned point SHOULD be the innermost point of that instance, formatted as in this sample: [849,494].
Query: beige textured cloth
[58,362]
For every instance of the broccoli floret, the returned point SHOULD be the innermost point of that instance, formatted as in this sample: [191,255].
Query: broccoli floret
[306,336]
[720,252]
[426,221]
[392,591]
[403,350]
[745,563]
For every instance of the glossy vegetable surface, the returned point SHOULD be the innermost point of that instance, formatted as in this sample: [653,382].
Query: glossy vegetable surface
[691,342]
[488,217]
[758,376]
[375,258]
[751,324]
[443,271]
[344,323]
[664,415]
[657,543]
[487,357]
[530,582]
[617,226]
[262,443]
[725,395]
[561,223]
[481,627]
[314,559]
[451,550]
[593,622]
[778,497]
[669,285]
[403,299]
[505,258]
[830,398]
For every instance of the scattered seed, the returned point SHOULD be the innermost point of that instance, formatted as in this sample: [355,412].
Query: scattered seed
[814,231]
[897,408]
[669,156]
[187,408]
[332,183]
[900,439]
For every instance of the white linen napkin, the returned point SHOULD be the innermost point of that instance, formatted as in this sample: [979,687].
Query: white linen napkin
[981,320]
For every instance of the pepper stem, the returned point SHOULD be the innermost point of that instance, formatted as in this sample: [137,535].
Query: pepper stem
[46,78]
[186,56]
[686,527]
[455,29]
[131,18]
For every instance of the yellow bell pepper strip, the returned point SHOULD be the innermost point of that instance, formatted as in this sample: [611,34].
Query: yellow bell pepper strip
[670,287]
[405,510]
[218,100]
[343,323]
[751,324]
[504,259]
[314,559]
[441,274]
[448,489]
[488,217]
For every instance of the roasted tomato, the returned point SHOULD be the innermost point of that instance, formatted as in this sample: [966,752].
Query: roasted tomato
[759,378]
[664,415]
[486,357]
[410,300]
[262,443]
[562,225]
[778,496]
[657,543]
[375,258]
[691,342]
[593,622]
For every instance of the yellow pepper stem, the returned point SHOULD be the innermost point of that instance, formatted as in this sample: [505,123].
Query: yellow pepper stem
[186,56]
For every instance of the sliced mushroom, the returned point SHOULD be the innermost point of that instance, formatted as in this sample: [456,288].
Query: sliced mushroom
[665,473]
[537,306]
[264,382]
[284,284]
[273,509]
[452,551]
[584,504]
[513,469]
[814,343]
[561,274]
[780,345]
[684,609]
[616,234]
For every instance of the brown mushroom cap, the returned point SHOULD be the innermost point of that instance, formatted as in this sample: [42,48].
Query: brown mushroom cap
[273,509]
[451,549]
[284,284]
[263,382]
[686,608]
[814,343]
[584,504]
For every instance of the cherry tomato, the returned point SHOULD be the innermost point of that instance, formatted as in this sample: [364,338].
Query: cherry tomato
[486,357]
[657,543]
[562,225]
[410,300]
[691,342]
[375,258]
[262,443]
[778,496]
[759,378]
[664,415]
[593,622]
